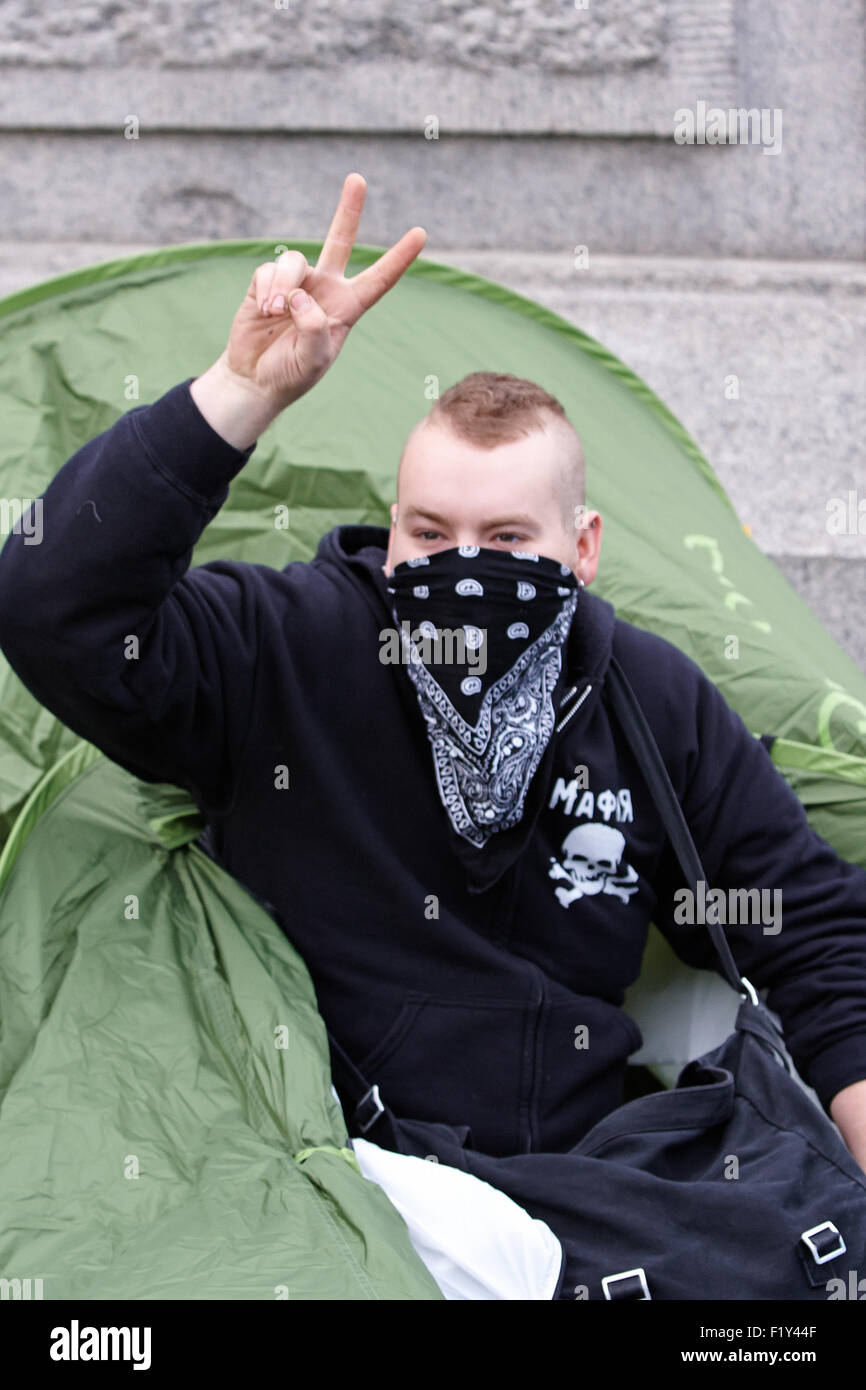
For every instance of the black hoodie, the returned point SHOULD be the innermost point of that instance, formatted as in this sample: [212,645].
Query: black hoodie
[478,988]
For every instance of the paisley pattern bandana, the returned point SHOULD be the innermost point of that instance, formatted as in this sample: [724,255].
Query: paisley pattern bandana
[481,636]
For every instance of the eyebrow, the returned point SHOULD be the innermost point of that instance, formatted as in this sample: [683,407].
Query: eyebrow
[517,519]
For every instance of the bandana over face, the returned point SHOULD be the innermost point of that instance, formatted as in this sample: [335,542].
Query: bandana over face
[481,636]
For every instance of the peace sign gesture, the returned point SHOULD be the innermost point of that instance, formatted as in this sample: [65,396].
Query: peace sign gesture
[282,343]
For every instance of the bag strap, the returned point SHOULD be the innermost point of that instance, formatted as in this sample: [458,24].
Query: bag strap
[646,751]
[362,1105]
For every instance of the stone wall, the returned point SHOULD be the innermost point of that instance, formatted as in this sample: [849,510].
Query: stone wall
[513,131]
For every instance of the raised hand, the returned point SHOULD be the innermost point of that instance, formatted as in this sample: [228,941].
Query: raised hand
[283,346]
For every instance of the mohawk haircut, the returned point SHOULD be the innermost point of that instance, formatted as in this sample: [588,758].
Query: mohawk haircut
[491,408]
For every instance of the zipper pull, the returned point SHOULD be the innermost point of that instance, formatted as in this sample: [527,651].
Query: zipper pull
[575,707]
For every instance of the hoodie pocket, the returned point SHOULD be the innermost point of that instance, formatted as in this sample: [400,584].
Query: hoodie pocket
[585,1046]
[460,1062]
[391,1038]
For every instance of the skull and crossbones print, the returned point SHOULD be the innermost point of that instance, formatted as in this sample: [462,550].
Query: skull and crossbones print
[592,862]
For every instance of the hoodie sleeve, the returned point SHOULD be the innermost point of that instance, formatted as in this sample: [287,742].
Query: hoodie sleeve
[751,831]
[102,622]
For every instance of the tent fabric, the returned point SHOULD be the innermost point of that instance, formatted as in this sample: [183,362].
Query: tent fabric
[153,1139]
[167,1125]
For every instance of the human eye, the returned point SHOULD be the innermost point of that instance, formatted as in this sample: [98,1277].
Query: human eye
[509,537]
[427,535]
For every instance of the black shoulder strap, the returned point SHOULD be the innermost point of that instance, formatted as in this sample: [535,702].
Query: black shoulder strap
[640,737]
[363,1107]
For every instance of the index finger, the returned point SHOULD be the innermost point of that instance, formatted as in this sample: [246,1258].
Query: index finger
[338,243]
[378,278]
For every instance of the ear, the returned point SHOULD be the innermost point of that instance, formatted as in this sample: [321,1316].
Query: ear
[391,534]
[589,546]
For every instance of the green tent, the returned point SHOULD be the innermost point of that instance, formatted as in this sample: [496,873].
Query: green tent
[167,1127]
[129,1116]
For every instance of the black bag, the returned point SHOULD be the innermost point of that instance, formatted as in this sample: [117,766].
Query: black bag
[733,1184]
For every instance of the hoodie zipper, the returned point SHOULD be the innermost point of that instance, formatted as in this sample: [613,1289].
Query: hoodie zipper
[533,1042]
[531,1059]
[574,708]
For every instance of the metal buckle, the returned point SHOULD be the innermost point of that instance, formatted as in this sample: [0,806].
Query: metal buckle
[750,989]
[813,1231]
[610,1279]
[371,1095]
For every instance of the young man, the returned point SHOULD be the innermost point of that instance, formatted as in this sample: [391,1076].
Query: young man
[463,850]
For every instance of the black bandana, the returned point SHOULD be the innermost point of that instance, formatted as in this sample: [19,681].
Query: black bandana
[481,636]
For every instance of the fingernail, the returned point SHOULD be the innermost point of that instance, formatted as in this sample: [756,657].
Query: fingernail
[300,300]
[278,303]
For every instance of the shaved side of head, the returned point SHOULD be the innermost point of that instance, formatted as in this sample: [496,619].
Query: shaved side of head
[490,408]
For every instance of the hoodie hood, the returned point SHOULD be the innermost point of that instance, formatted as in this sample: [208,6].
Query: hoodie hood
[360,551]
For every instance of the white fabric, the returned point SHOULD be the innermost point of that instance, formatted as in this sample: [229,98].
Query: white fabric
[476,1242]
[682,1012]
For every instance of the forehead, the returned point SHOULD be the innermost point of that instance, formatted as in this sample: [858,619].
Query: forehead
[439,466]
